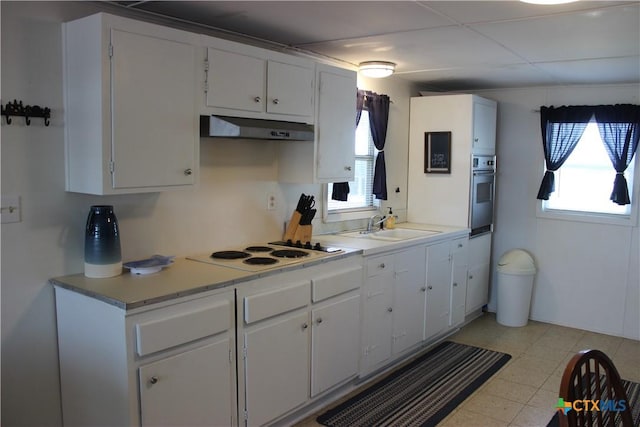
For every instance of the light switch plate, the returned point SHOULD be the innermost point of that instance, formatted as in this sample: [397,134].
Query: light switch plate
[10,209]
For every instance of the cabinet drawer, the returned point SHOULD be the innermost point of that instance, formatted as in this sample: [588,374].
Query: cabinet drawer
[182,323]
[271,303]
[379,265]
[324,287]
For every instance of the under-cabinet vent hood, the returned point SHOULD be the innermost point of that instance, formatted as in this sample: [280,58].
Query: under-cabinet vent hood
[237,127]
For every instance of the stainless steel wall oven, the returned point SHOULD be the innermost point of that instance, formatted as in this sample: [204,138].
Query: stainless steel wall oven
[483,170]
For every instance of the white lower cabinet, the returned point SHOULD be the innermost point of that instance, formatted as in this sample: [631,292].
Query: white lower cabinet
[335,343]
[298,337]
[438,289]
[191,388]
[393,306]
[169,364]
[276,367]
[460,265]
[408,299]
[479,271]
[411,296]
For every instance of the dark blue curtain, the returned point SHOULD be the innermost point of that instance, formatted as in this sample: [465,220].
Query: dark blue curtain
[341,190]
[378,107]
[562,128]
[619,127]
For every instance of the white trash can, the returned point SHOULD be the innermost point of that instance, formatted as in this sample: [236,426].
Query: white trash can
[516,271]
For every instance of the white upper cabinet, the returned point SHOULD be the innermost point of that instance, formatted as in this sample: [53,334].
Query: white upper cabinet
[246,81]
[335,124]
[235,81]
[484,126]
[331,158]
[130,106]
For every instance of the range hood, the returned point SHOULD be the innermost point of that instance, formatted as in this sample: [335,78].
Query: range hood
[237,127]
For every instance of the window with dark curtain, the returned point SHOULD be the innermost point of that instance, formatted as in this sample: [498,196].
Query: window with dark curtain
[378,106]
[619,127]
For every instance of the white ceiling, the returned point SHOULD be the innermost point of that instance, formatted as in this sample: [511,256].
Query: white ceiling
[443,45]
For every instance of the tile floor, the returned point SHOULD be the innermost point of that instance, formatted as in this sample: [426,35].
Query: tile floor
[525,391]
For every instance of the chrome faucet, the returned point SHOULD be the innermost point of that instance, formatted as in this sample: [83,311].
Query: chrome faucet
[372,222]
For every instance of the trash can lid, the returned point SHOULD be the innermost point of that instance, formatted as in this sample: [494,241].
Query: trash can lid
[516,261]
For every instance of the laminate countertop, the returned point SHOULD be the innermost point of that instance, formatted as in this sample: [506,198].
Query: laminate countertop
[183,277]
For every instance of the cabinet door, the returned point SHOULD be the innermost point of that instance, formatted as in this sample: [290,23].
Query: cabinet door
[289,89]
[484,127]
[335,344]
[409,298]
[236,81]
[191,388]
[460,263]
[377,321]
[479,269]
[438,289]
[477,287]
[154,119]
[276,367]
[335,126]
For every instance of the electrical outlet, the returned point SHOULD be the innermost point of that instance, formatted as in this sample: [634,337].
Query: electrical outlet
[271,202]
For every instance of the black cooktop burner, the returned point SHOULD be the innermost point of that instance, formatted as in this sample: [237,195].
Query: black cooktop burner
[289,253]
[256,260]
[230,255]
[258,249]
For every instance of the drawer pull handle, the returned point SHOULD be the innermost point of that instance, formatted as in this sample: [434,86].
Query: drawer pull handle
[459,245]
[429,287]
[188,172]
[153,380]
[276,101]
[319,320]
[423,289]
[470,277]
[455,284]
[305,326]
[382,265]
[257,99]
[347,168]
[390,309]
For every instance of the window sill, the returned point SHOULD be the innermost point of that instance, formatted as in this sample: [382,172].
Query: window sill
[594,218]
[349,215]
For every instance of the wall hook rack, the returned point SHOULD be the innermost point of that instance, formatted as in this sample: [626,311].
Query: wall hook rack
[16,108]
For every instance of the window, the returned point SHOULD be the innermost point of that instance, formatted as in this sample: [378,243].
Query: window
[360,194]
[583,184]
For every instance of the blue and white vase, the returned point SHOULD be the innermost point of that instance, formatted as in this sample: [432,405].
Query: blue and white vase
[102,256]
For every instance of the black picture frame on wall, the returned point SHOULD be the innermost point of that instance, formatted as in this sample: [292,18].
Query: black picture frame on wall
[437,152]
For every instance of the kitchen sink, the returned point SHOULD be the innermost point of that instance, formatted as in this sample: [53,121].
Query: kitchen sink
[392,235]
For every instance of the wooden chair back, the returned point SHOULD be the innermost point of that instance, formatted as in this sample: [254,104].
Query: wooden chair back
[591,376]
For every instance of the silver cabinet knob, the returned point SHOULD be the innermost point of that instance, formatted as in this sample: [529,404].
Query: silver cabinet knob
[276,101]
[475,139]
[390,309]
[153,380]
[470,277]
[188,172]
[459,245]
[382,265]
[423,289]
[305,326]
[319,320]
[455,284]
[347,168]
[257,99]
[429,287]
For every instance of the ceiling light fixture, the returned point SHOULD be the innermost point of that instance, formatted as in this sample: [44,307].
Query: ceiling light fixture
[377,69]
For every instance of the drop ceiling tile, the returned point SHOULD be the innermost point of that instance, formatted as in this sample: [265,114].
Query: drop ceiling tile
[609,32]
[467,12]
[421,50]
[468,78]
[300,22]
[596,71]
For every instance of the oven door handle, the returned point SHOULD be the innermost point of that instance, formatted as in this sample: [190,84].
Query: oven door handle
[484,173]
